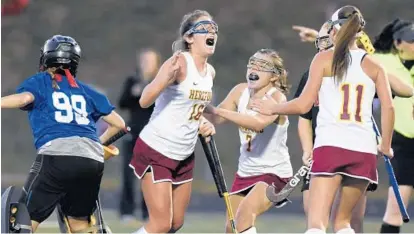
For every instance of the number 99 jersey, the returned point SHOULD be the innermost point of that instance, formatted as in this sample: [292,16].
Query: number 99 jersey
[345,110]
[63,111]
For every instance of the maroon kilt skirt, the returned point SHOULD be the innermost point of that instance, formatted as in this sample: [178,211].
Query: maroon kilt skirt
[163,169]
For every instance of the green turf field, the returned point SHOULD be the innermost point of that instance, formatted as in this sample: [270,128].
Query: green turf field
[214,223]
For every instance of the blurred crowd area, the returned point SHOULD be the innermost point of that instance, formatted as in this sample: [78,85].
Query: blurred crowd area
[111,31]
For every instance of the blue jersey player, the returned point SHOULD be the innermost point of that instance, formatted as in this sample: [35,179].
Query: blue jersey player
[63,112]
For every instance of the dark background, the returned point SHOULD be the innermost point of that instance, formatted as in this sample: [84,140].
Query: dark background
[110,32]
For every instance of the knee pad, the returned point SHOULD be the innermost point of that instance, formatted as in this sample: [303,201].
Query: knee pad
[15,216]
[96,222]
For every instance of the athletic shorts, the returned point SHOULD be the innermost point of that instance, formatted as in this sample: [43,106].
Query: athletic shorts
[71,181]
[147,159]
[403,160]
[243,185]
[305,185]
[329,160]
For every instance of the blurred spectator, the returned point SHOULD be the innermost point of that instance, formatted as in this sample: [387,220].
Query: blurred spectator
[13,7]
[148,62]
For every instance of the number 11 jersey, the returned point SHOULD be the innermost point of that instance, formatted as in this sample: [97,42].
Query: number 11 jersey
[64,111]
[345,110]
[173,127]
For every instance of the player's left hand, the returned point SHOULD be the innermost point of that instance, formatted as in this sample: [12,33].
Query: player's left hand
[265,107]
[306,34]
[386,151]
[206,129]
[110,151]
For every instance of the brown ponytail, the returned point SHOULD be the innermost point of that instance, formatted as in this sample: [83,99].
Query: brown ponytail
[283,84]
[346,35]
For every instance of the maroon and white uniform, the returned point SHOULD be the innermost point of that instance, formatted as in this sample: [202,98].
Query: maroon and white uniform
[264,155]
[166,144]
[345,141]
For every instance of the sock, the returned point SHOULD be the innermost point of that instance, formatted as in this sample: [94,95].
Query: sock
[251,230]
[141,231]
[346,231]
[315,231]
[388,228]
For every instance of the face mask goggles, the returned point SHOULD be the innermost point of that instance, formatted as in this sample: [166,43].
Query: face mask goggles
[262,65]
[203,27]
[323,43]
[362,37]
[337,22]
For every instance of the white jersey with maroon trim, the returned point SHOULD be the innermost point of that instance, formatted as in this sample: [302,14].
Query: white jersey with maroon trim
[265,151]
[345,110]
[173,127]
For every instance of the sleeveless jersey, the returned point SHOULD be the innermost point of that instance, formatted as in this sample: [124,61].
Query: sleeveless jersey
[345,110]
[173,126]
[265,151]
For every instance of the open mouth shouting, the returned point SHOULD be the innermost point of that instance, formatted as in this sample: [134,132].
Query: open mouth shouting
[253,77]
[210,41]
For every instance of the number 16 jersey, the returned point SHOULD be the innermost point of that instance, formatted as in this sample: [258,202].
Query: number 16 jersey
[173,127]
[345,110]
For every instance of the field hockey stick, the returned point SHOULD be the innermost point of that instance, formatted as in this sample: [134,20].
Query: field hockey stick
[392,178]
[102,228]
[289,187]
[213,160]
[117,136]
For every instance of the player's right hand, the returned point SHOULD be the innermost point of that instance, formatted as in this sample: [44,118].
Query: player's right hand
[386,151]
[307,158]
[306,34]
[175,66]
[206,129]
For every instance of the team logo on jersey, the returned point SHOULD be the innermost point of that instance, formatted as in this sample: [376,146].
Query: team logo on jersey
[200,95]
[249,131]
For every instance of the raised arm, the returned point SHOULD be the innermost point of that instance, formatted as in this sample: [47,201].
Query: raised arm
[306,34]
[169,73]
[18,100]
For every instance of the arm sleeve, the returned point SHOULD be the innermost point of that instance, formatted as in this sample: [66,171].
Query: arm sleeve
[302,84]
[32,86]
